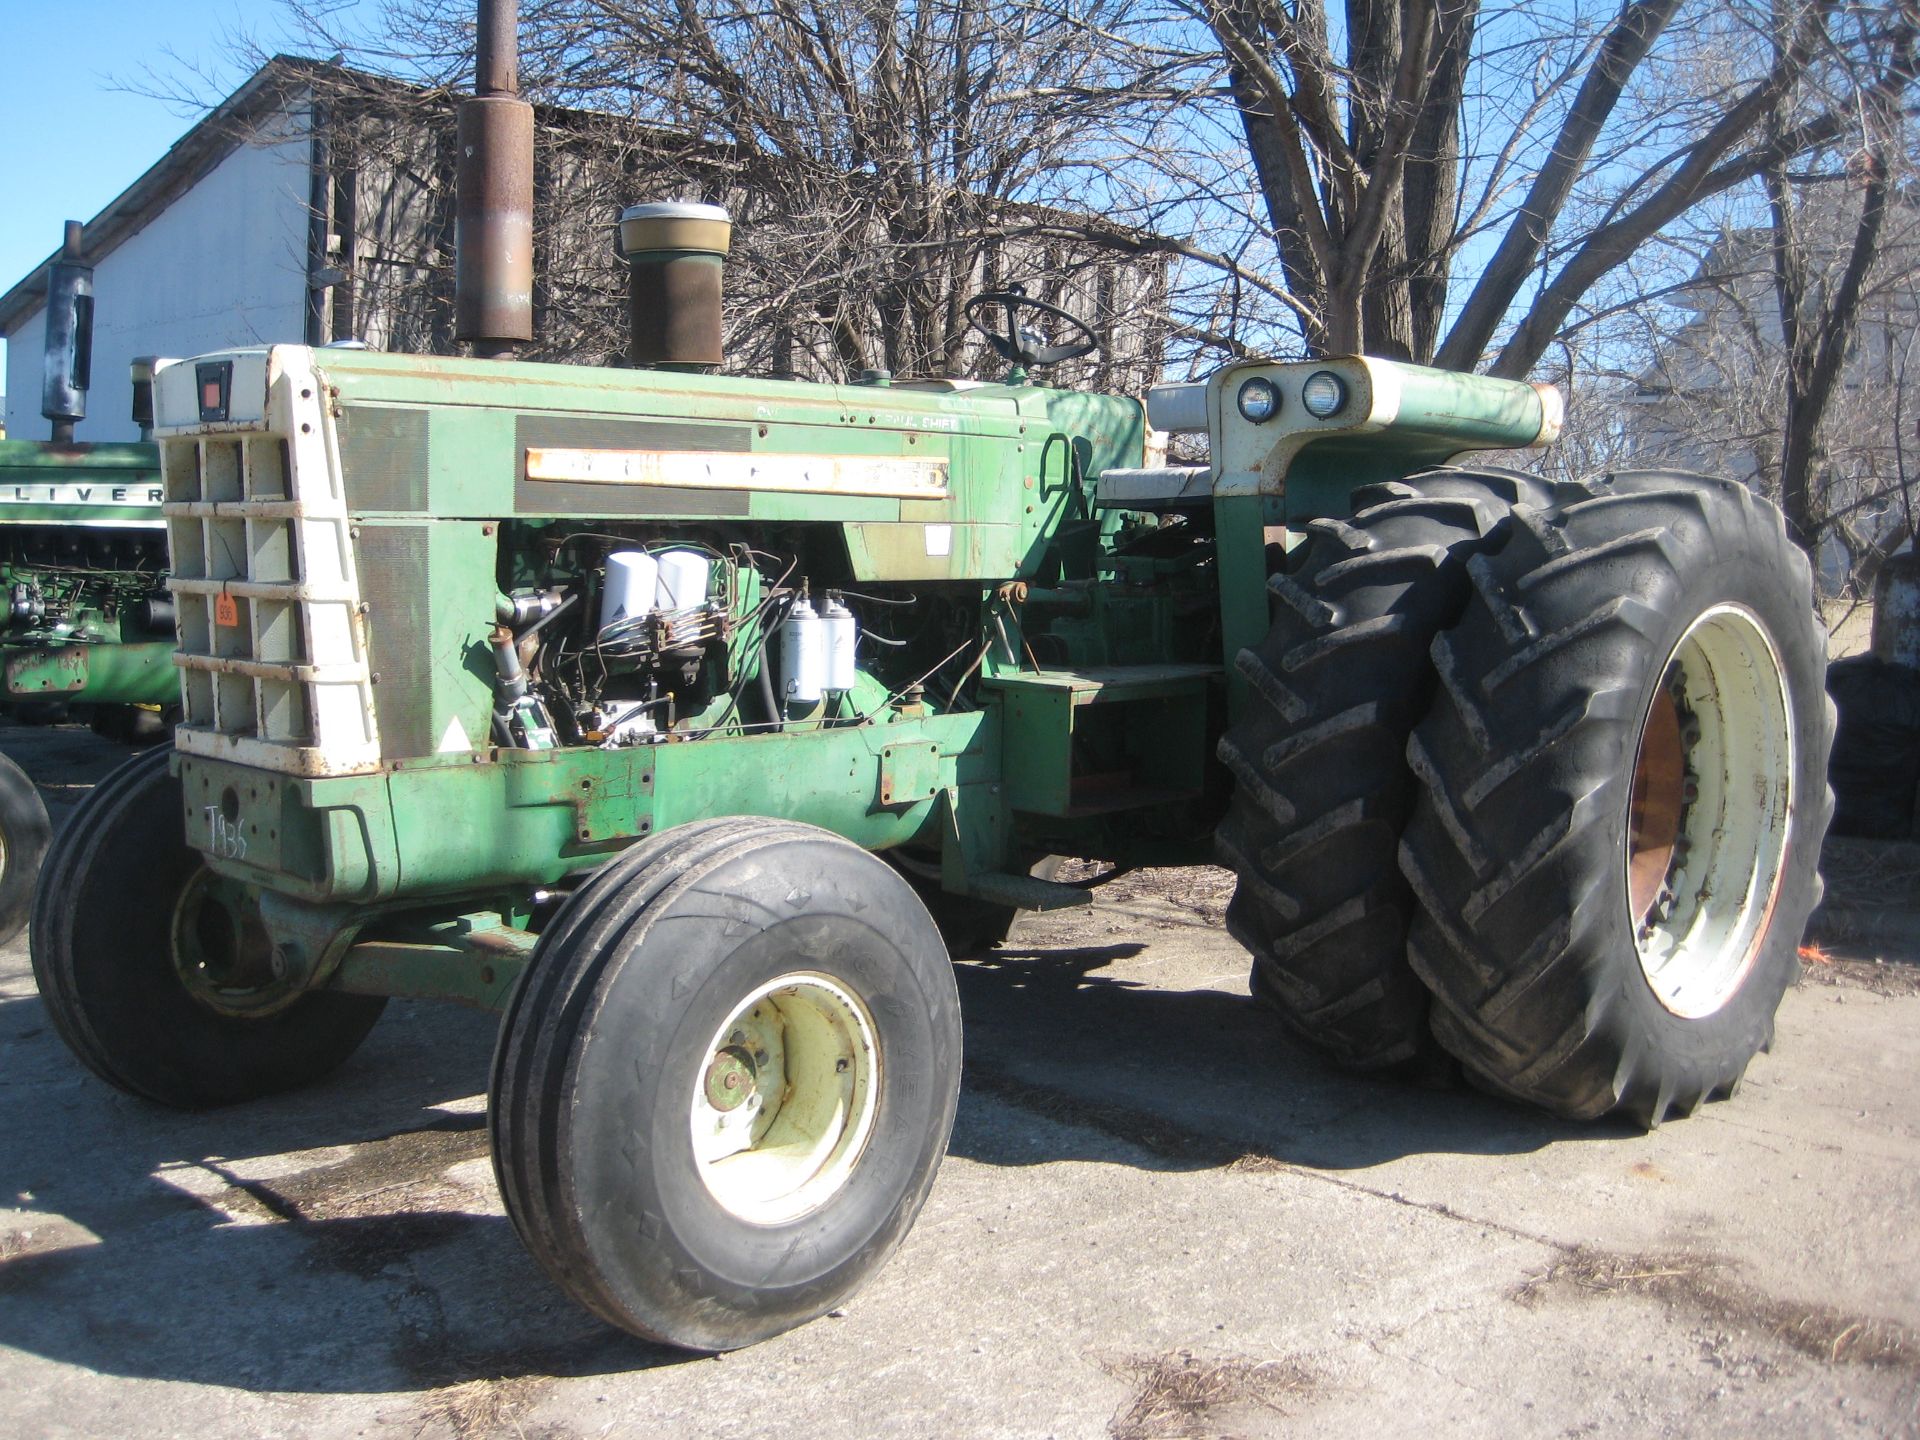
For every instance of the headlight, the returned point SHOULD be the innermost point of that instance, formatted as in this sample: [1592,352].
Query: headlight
[1259,401]
[1324,394]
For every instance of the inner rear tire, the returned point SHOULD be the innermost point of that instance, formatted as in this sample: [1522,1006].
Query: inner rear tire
[723,1089]
[102,921]
[1624,800]
[1323,787]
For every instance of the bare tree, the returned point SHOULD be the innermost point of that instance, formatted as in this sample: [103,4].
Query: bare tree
[1467,182]
[1401,150]
[883,162]
[1820,311]
[1709,371]
[1769,331]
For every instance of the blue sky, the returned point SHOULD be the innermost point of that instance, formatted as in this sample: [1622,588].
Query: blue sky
[71,136]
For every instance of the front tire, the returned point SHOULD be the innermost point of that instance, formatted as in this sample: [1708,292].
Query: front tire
[25,833]
[1624,799]
[103,918]
[723,1089]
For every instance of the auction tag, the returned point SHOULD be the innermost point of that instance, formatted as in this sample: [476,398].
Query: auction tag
[225,612]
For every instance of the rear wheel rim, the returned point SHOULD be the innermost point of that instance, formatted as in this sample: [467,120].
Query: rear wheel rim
[1709,812]
[785,1098]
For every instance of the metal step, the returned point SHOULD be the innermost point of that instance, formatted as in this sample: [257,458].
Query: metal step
[1110,684]
[1026,892]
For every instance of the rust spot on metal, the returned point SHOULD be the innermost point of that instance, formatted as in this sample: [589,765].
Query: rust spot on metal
[1659,800]
[494,942]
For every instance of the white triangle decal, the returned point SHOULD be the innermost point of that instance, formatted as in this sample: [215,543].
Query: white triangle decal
[455,738]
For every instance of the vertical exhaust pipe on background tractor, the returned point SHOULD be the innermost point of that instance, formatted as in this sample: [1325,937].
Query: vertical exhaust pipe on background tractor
[493,206]
[69,357]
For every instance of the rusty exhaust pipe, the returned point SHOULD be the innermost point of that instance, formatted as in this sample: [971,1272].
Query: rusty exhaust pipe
[493,207]
[69,361]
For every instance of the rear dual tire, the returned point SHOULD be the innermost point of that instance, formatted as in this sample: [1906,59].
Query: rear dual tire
[1623,800]
[1323,789]
[1612,808]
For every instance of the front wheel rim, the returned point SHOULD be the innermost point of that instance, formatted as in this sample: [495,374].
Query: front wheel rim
[1710,811]
[785,1097]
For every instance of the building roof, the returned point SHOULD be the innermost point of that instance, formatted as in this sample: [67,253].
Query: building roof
[214,137]
[284,78]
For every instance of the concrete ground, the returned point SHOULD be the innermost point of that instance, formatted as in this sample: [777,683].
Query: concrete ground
[1157,1218]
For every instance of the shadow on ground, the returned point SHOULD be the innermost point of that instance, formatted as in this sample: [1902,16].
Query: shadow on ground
[1190,1079]
[316,1243]
[343,1240]
[312,1243]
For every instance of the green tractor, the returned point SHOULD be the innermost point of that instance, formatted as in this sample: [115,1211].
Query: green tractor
[83,559]
[671,715]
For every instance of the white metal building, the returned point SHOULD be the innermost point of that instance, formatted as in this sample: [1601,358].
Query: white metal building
[209,248]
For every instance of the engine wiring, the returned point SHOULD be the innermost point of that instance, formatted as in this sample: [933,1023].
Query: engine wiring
[686,672]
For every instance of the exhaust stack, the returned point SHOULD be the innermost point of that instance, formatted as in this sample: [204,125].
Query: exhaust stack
[675,254]
[493,214]
[69,350]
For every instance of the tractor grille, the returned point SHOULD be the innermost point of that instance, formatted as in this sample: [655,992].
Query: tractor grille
[386,451]
[396,562]
[272,652]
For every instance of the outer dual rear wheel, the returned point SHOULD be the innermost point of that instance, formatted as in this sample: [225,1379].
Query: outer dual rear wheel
[1612,808]
[723,1089]
[1624,797]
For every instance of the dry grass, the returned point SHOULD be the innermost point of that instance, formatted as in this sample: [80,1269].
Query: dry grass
[480,1409]
[1179,1396]
[1822,1332]
[1886,978]
[1201,891]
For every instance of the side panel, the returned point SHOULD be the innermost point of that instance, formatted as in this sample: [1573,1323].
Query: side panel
[140,673]
[449,826]
[429,592]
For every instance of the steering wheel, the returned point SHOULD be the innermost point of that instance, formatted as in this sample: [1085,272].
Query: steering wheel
[1023,347]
